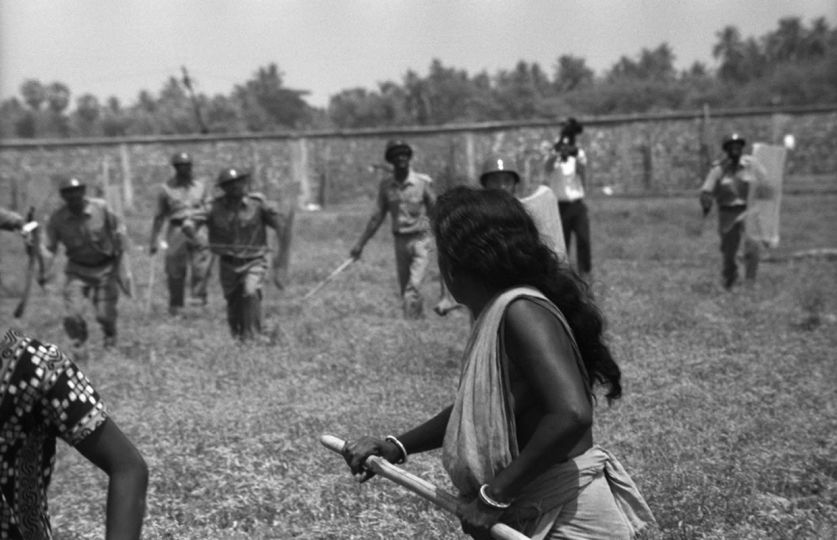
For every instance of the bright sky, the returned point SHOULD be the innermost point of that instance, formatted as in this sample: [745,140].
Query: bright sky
[119,47]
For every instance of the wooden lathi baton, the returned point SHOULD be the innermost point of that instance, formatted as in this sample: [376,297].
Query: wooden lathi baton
[422,488]
[345,264]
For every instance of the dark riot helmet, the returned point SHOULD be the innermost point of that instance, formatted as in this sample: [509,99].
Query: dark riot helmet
[181,158]
[733,138]
[69,183]
[498,163]
[396,146]
[230,174]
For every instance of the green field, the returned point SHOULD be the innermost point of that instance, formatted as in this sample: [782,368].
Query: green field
[728,423]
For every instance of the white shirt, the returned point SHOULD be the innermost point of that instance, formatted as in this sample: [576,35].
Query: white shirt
[564,179]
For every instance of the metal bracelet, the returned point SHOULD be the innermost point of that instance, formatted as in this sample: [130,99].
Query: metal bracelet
[491,502]
[396,442]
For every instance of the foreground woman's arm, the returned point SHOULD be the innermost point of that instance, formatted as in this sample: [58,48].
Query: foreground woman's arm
[424,437]
[110,450]
[539,347]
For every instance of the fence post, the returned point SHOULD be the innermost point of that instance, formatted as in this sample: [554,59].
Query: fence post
[325,167]
[469,155]
[113,199]
[127,181]
[705,156]
[299,160]
[105,179]
[647,166]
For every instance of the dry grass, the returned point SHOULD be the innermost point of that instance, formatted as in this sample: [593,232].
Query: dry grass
[728,424]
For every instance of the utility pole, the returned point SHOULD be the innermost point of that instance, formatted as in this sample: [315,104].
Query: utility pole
[187,82]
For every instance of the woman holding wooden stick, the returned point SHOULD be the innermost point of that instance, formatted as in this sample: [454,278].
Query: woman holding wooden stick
[517,441]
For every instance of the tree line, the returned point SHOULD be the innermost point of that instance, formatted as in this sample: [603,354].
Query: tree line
[794,64]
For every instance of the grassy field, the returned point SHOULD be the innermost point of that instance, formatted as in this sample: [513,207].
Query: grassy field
[728,424]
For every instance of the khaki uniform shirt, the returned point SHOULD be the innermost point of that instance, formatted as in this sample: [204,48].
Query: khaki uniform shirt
[177,201]
[407,202]
[92,239]
[239,229]
[729,184]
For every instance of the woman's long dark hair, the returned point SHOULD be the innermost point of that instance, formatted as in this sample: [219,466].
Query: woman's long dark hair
[489,235]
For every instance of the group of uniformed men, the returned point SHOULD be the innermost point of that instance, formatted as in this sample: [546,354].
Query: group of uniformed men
[233,228]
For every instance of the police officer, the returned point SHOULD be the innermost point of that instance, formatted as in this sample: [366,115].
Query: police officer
[179,197]
[566,170]
[237,223]
[729,183]
[500,172]
[408,197]
[94,241]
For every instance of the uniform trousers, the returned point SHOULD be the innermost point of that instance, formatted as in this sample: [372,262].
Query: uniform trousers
[731,230]
[99,285]
[575,222]
[184,254]
[241,281]
[412,256]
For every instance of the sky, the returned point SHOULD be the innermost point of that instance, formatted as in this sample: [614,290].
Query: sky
[119,47]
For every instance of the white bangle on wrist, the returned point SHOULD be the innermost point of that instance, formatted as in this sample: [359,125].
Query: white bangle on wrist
[488,501]
[396,442]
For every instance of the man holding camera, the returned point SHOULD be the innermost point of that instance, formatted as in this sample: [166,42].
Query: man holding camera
[565,174]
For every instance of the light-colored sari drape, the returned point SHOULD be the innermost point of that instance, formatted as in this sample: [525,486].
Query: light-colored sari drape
[480,439]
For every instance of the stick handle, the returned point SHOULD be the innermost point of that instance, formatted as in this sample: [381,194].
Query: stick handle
[419,486]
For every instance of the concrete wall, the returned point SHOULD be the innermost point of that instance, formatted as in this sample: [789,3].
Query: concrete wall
[650,154]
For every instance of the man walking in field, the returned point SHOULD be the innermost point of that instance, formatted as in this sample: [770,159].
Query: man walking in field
[729,183]
[44,396]
[94,242]
[237,223]
[408,197]
[178,198]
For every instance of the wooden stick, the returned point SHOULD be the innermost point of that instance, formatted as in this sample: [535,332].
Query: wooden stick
[331,276]
[419,486]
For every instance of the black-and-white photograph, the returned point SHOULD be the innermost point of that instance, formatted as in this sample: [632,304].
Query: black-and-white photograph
[424,269]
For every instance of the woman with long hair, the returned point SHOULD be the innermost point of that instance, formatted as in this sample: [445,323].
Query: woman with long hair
[517,441]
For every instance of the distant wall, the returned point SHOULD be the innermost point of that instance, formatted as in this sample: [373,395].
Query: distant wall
[639,154]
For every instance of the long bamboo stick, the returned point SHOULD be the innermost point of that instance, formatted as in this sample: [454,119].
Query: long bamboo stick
[419,486]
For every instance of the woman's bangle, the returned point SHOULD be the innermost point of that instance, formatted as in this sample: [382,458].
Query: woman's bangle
[396,442]
[491,502]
